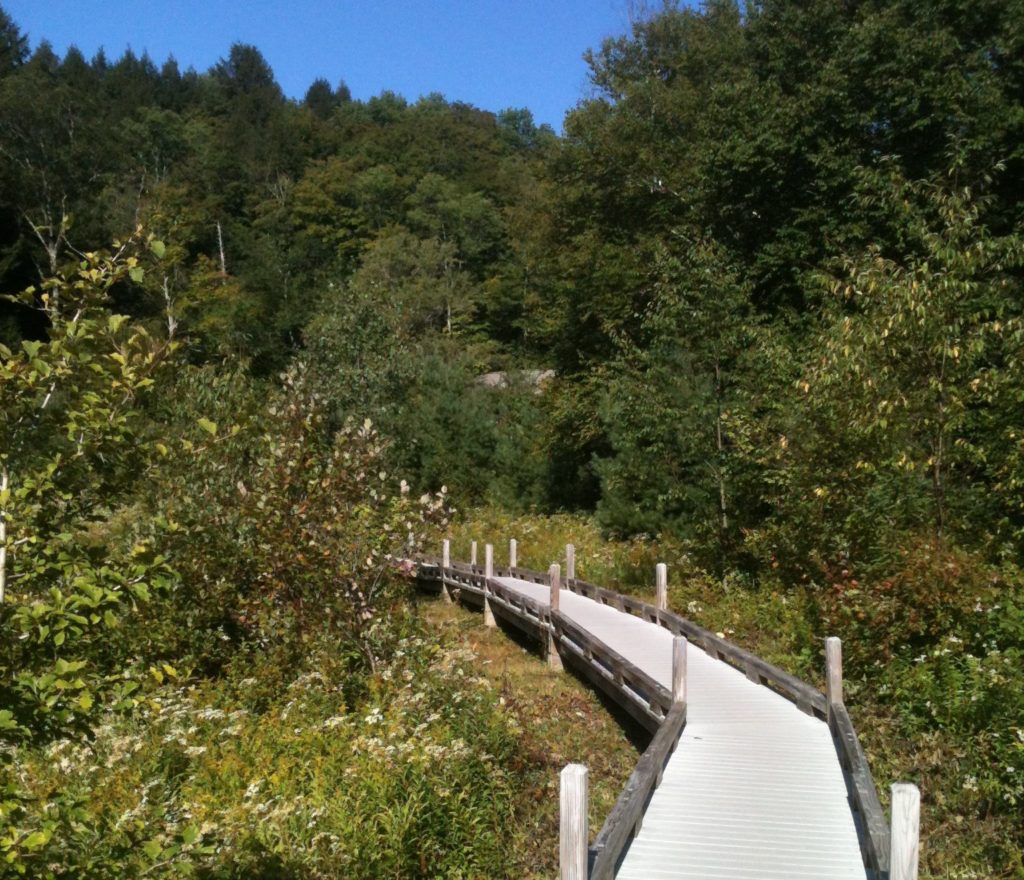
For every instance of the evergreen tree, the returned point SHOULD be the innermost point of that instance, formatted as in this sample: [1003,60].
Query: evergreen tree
[13,44]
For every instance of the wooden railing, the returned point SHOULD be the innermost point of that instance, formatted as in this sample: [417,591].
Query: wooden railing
[656,709]
[640,695]
[875,842]
[624,820]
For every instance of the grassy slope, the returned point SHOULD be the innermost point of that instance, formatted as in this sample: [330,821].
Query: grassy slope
[562,722]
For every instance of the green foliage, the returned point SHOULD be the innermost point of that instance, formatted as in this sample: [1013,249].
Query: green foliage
[389,346]
[69,420]
[290,534]
[674,394]
[70,571]
[904,423]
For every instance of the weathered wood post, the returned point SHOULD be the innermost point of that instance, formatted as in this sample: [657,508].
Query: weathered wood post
[679,669]
[513,554]
[906,831]
[472,552]
[573,832]
[446,562]
[570,562]
[661,586]
[554,572]
[488,574]
[833,672]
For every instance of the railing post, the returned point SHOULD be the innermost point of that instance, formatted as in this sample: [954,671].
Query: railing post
[573,832]
[488,574]
[833,673]
[446,562]
[554,660]
[472,552]
[513,548]
[661,586]
[570,562]
[679,669]
[906,831]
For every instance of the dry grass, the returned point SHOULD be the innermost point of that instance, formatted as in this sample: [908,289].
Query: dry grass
[563,721]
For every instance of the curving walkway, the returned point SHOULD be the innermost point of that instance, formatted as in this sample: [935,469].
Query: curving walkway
[753,791]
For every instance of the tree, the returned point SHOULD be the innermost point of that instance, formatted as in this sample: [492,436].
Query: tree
[69,437]
[13,45]
[245,72]
[53,149]
[321,99]
[676,394]
[467,220]
[909,395]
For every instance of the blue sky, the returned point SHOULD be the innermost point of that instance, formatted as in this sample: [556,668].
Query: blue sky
[491,53]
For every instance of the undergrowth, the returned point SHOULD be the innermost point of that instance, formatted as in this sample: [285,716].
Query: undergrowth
[252,776]
[561,720]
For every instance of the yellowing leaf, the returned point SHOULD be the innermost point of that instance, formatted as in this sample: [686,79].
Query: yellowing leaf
[36,839]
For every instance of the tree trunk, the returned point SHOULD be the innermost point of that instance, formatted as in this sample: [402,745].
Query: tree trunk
[723,516]
[4,483]
[220,246]
[938,452]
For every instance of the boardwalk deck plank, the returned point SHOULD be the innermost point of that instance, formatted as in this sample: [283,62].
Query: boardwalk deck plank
[754,790]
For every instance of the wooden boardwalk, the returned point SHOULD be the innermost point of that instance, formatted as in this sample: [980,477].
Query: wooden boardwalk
[760,778]
[753,790]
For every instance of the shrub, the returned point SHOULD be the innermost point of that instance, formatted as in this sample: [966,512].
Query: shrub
[284,527]
[929,591]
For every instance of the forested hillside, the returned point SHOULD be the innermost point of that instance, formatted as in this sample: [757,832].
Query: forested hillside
[776,265]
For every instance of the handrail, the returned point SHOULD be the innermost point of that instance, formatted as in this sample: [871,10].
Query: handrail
[805,696]
[623,822]
[875,838]
[515,599]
